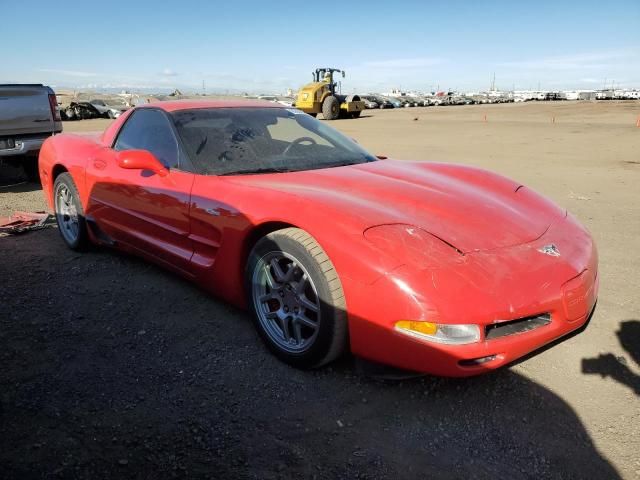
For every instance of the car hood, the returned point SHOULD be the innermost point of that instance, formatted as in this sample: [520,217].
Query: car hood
[469,208]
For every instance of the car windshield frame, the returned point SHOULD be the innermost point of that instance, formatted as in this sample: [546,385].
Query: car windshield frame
[224,141]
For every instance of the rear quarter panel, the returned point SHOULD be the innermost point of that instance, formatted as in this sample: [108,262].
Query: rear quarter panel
[66,152]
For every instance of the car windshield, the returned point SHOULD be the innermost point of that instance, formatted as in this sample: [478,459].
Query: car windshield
[230,141]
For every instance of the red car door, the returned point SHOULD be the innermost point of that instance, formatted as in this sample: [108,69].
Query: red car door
[139,208]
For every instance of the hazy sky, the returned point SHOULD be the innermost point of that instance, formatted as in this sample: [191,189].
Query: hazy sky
[269,46]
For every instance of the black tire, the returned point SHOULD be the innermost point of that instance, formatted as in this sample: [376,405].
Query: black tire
[331,332]
[30,167]
[330,108]
[355,114]
[81,239]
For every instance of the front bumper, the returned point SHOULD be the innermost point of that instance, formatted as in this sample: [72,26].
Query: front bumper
[484,288]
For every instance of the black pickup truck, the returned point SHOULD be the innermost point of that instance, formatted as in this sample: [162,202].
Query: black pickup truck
[29,114]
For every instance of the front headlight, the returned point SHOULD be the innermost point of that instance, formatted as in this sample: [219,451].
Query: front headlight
[448,334]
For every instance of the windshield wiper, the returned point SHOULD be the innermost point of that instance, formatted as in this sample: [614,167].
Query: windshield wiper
[344,163]
[256,170]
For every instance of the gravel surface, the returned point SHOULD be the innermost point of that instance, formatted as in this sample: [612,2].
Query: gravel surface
[102,380]
[114,368]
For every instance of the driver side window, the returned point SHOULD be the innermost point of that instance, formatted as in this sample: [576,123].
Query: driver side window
[149,129]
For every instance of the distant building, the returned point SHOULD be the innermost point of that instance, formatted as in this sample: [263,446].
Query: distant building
[580,94]
[605,94]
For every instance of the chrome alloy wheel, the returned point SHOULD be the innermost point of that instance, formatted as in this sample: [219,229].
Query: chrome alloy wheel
[66,214]
[286,301]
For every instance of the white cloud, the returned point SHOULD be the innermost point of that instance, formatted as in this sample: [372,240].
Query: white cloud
[68,73]
[167,72]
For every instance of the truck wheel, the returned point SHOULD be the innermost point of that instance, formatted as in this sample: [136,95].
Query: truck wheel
[69,212]
[355,114]
[331,108]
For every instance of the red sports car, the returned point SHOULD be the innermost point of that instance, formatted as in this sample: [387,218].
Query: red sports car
[430,267]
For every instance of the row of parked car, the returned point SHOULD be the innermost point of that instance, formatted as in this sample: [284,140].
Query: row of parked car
[380,101]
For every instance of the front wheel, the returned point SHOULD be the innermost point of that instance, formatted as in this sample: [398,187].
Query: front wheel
[296,299]
[69,212]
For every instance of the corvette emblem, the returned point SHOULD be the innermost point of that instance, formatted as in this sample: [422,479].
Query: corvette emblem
[550,249]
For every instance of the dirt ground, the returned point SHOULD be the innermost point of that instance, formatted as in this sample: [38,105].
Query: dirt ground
[113,368]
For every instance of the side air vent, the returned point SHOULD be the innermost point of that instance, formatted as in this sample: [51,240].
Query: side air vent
[513,327]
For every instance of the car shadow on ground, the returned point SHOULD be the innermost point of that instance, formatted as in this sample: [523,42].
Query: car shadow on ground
[13,175]
[19,185]
[617,367]
[114,368]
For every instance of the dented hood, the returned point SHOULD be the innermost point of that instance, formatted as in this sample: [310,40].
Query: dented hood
[469,208]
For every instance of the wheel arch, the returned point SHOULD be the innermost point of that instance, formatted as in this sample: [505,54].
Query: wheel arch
[251,238]
[48,175]
[57,170]
[259,231]
[324,96]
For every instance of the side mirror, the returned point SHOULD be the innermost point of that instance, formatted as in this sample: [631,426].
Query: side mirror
[141,160]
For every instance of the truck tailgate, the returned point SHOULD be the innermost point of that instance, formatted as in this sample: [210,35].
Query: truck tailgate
[25,109]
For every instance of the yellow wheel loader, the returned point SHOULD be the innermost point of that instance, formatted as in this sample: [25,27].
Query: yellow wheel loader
[320,96]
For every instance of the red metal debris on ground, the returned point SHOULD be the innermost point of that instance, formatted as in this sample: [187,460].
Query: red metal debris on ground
[21,222]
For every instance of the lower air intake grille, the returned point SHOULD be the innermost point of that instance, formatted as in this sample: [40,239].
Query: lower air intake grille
[520,325]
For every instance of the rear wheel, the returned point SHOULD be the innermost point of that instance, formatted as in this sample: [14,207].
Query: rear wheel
[355,114]
[331,108]
[296,299]
[69,212]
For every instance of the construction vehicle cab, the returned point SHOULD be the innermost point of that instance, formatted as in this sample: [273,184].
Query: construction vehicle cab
[322,96]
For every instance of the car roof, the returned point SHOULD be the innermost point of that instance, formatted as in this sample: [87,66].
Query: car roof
[176,105]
